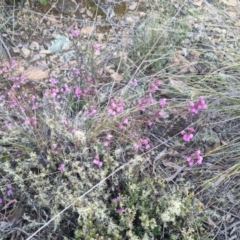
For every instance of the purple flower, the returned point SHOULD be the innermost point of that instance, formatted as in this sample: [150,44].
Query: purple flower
[162,102]
[52,80]
[61,167]
[195,157]
[1,200]
[188,134]
[133,82]
[115,106]
[75,32]
[117,199]
[96,47]
[27,121]
[90,111]
[196,106]
[9,192]
[121,209]
[97,161]
[141,143]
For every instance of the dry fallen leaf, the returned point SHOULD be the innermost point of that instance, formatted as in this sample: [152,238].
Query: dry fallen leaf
[26,52]
[87,30]
[109,69]
[117,77]
[33,73]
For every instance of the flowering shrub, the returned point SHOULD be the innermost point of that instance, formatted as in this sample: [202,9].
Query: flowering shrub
[73,140]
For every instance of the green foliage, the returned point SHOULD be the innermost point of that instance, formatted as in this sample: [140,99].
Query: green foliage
[150,210]
[43,2]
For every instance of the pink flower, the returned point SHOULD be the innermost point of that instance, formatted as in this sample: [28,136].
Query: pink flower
[78,92]
[75,32]
[123,123]
[96,47]
[27,121]
[115,106]
[149,123]
[73,130]
[64,121]
[65,88]
[117,199]
[195,157]
[188,134]
[162,102]
[97,162]
[34,121]
[61,167]
[154,85]
[160,113]
[76,72]
[196,106]
[190,161]
[52,80]
[90,80]
[9,191]
[144,102]
[91,111]
[133,82]
[142,143]
[13,63]
[108,137]
[30,121]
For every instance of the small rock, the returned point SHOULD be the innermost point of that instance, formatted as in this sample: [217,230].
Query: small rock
[44,52]
[232,3]
[142,14]
[45,32]
[34,46]
[197,3]
[129,19]
[16,50]
[133,6]
[26,52]
[35,57]
[217,30]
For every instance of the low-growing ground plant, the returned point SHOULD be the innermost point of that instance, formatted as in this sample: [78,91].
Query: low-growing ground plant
[143,153]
